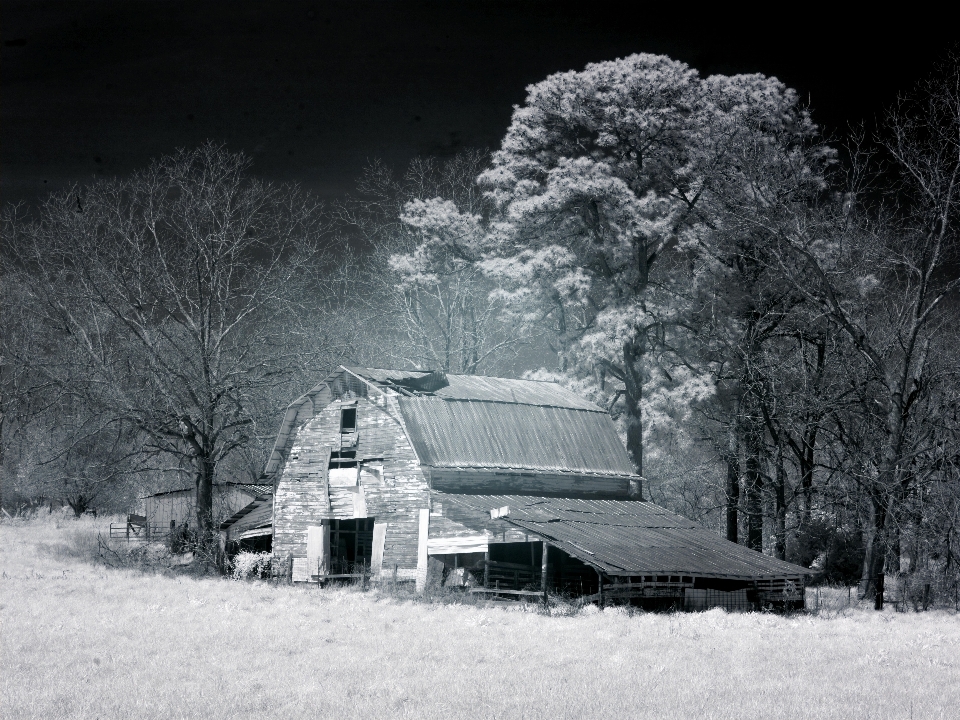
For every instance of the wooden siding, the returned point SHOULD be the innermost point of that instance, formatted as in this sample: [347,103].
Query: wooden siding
[260,514]
[394,496]
[498,482]
[179,506]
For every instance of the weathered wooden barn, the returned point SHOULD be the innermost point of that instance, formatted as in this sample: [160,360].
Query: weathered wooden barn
[515,486]
[172,509]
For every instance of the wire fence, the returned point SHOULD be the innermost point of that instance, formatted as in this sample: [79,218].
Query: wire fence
[901,591]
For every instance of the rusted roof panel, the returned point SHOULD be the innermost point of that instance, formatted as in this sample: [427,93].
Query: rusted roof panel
[622,537]
[471,434]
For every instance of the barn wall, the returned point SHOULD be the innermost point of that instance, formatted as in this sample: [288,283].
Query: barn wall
[491,482]
[394,498]
[177,507]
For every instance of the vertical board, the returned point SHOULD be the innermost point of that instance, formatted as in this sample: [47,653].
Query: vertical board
[379,538]
[314,547]
[544,568]
[422,560]
[325,547]
[359,503]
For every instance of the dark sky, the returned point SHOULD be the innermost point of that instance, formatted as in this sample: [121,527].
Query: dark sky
[312,90]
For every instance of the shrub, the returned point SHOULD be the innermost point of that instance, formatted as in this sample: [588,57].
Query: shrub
[247,564]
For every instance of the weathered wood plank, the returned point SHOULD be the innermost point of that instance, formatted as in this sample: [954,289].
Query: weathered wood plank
[422,557]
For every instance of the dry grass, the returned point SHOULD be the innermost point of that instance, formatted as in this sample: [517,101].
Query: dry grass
[84,641]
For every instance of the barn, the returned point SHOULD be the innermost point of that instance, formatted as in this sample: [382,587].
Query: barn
[164,512]
[507,486]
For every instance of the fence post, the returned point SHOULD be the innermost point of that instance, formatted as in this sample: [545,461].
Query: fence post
[926,596]
[544,569]
[878,597]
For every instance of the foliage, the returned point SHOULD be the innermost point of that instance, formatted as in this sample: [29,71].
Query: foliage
[251,565]
[605,183]
[422,236]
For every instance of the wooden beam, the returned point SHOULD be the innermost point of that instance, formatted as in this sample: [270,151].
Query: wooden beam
[543,568]
[379,539]
[422,557]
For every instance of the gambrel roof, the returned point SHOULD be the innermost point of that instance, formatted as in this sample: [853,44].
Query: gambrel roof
[461,422]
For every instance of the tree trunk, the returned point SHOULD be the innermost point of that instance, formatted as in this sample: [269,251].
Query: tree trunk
[733,485]
[874,547]
[780,507]
[754,476]
[633,393]
[204,479]
[78,504]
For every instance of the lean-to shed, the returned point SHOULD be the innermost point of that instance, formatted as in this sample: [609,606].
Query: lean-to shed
[172,509]
[513,486]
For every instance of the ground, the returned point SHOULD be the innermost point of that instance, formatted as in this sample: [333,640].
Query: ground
[81,640]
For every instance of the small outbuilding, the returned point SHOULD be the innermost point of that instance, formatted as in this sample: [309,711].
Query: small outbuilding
[165,512]
[510,486]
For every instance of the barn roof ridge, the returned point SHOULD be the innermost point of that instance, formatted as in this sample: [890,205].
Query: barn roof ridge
[478,388]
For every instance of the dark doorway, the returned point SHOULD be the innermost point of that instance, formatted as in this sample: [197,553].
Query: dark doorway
[351,545]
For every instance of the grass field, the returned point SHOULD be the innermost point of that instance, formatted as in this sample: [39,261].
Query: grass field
[85,641]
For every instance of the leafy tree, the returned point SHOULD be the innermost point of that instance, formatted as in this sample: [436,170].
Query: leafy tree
[422,236]
[604,183]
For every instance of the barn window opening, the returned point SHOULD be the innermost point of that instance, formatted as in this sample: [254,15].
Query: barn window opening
[343,459]
[348,419]
[351,545]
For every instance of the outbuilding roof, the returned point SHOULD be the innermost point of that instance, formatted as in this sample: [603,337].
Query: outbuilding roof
[620,537]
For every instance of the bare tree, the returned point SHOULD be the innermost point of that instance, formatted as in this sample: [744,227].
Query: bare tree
[176,298]
[885,276]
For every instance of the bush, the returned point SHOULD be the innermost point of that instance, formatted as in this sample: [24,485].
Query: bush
[838,552]
[251,565]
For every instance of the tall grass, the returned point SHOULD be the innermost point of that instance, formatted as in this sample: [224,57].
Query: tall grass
[81,640]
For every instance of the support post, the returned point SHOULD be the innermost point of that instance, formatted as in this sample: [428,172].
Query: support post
[600,588]
[486,568]
[543,571]
[878,598]
[423,559]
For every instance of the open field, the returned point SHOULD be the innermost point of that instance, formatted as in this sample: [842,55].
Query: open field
[85,641]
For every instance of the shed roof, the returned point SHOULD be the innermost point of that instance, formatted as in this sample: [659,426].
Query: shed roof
[252,489]
[621,537]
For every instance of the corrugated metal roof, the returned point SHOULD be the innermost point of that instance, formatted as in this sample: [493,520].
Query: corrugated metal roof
[495,435]
[622,537]
[488,389]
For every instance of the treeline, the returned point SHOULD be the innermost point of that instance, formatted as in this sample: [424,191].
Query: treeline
[772,319]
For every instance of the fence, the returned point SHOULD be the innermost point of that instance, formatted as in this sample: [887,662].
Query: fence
[137,528]
[902,592]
